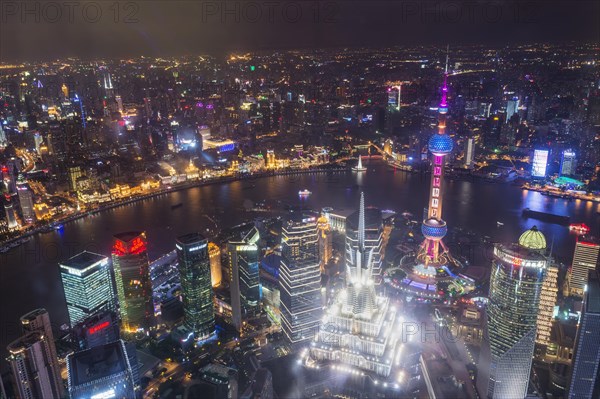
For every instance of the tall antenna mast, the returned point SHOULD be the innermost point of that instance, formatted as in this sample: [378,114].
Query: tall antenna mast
[447,54]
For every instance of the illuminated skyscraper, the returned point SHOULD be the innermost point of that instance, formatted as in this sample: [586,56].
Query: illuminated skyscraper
[512,107]
[245,285]
[585,379]
[75,173]
[434,227]
[371,234]
[216,274]
[25,200]
[515,287]
[196,288]
[3,140]
[132,277]
[87,284]
[39,321]
[568,163]
[469,152]
[32,367]
[394,98]
[300,278]
[585,258]
[11,218]
[325,246]
[547,303]
[359,335]
[540,163]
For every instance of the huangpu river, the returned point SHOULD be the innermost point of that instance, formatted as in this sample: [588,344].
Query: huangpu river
[29,274]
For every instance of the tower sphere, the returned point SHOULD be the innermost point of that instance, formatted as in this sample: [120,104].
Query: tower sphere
[440,144]
[434,229]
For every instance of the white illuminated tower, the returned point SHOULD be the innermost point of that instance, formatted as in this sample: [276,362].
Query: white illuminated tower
[359,336]
[433,251]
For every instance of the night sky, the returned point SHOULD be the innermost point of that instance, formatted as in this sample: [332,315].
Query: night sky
[47,29]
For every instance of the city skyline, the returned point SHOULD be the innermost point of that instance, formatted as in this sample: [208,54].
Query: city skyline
[211,27]
[262,217]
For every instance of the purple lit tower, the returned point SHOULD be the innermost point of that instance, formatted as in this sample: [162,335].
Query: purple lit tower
[433,251]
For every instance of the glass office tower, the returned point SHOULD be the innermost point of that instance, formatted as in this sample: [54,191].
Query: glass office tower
[196,288]
[300,279]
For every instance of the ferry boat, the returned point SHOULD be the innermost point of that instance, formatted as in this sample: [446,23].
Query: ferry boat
[359,167]
[304,193]
[546,217]
[580,228]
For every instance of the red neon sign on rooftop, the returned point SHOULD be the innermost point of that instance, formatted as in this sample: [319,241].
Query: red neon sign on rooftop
[99,327]
[137,246]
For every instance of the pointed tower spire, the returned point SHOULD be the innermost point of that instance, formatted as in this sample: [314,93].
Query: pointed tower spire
[361,223]
[447,53]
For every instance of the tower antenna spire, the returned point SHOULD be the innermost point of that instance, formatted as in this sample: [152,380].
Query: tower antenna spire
[447,54]
[361,222]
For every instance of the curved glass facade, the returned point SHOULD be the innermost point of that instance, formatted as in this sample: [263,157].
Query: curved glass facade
[515,286]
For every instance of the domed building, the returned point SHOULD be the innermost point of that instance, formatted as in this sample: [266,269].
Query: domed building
[533,239]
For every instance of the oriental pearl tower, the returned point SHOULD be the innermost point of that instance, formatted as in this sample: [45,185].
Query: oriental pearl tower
[432,251]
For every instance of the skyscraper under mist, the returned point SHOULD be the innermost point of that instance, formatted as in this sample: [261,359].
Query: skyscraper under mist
[515,286]
[132,277]
[359,334]
[196,288]
[300,278]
